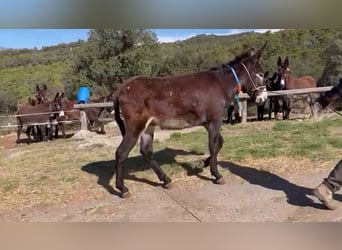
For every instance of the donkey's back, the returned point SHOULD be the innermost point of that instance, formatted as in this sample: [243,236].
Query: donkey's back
[304,82]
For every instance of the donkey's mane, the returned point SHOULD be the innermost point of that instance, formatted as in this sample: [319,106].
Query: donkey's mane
[238,58]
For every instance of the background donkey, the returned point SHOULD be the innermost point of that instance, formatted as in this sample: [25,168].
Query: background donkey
[41,97]
[290,82]
[40,114]
[93,114]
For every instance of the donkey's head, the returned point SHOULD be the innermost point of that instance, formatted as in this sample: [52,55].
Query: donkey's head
[56,105]
[283,71]
[41,94]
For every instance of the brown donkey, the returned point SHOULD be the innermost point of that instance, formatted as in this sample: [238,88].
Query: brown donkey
[41,97]
[290,82]
[40,114]
[93,114]
[180,101]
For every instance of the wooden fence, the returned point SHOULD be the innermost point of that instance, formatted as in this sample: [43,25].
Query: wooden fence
[299,91]
[243,98]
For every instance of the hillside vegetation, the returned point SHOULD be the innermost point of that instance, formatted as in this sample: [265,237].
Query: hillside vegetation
[108,56]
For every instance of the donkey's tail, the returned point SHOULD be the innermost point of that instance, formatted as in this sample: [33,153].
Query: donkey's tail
[117,116]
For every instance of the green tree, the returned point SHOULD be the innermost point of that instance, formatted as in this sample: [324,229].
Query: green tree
[110,55]
[8,102]
[333,66]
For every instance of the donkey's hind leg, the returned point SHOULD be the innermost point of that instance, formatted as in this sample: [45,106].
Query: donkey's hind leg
[270,108]
[62,127]
[146,149]
[129,140]
[28,133]
[19,129]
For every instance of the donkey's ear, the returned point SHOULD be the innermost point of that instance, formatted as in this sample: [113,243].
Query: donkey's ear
[61,96]
[287,62]
[56,96]
[267,73]
[45,87]
[37,88]
[279,61]
[260,51]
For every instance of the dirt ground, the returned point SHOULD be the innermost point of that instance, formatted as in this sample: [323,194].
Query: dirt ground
[249,195]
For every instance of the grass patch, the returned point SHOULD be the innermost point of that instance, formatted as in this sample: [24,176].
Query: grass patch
[8,185]
[310,139]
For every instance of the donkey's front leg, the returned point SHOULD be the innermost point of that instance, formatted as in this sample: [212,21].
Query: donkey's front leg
[215,144]
[43,129]
[19,129]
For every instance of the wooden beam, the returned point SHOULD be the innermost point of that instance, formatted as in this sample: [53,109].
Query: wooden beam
[299,91]
[244,111]
[242,96]
[94,105]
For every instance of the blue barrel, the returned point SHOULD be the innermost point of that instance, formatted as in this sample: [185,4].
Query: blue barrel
[83,95]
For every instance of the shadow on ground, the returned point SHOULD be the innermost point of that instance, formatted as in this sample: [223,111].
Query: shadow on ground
[296,195]
[28,141]
[104,170]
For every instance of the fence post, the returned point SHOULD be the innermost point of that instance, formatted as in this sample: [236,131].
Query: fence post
[84,124]
[244,111]
[316,108]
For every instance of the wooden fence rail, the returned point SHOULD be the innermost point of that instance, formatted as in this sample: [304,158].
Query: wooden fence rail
[94,105]
[243,98]
[299,91]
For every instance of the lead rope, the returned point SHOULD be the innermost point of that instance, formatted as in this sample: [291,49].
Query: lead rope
[334,110]
[238,89]
[249,75]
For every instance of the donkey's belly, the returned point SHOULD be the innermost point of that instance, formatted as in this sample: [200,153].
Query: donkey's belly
[176,123]
[34,120]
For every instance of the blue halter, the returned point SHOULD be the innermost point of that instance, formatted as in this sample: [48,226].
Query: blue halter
[239,88]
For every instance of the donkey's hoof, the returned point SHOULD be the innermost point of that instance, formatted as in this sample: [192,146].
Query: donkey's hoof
[125,195]
[220,181]
[167,185]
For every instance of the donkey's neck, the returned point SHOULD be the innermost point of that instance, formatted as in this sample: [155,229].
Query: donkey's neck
[228,84]
[289,82]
